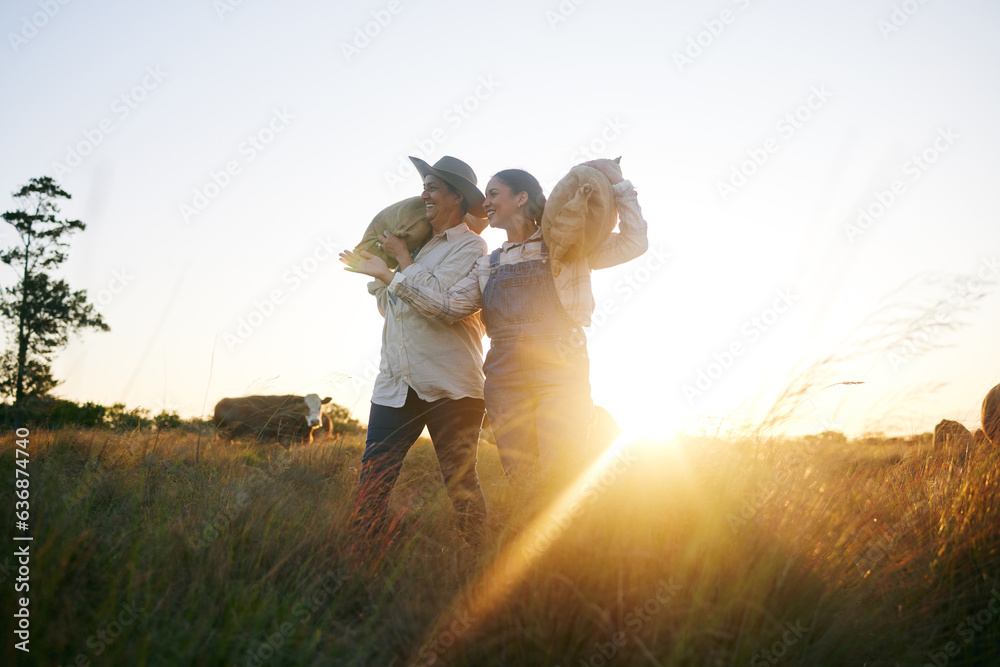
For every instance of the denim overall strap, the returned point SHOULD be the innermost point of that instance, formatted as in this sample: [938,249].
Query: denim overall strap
[537,387]
[520,301]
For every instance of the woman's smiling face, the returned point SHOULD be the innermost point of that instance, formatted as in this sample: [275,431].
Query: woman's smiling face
[502,204]
[437,197]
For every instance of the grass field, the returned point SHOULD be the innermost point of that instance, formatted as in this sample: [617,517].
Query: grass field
[696,552]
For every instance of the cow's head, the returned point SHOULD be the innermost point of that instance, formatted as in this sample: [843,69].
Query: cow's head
[314,405]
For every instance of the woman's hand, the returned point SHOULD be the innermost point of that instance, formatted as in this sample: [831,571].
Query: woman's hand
[368,264]
[609,168]
[395,247]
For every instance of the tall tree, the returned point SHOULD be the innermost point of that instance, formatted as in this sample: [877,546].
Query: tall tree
[43,310]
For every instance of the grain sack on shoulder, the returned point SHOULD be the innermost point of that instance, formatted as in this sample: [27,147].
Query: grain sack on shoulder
[579,215]
[406,219]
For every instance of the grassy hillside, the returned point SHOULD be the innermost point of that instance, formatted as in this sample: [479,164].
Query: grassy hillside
[702,552]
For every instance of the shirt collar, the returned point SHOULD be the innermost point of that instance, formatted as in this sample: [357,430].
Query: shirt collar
[507,245]
[453,232]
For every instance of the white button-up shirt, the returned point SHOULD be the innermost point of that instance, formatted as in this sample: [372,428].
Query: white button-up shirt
[438,360]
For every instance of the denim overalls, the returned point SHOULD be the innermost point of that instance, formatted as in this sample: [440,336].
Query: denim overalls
[537,371]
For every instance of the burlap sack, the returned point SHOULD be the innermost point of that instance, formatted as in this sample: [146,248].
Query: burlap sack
[406,219]
[579,216]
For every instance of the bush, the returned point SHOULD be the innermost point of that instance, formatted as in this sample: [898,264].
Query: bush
[342,424]
[54,413]
[120,419]
[167,420]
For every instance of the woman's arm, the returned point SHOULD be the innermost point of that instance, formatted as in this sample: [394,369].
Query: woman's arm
[628,243]
[447,272]
[463,299]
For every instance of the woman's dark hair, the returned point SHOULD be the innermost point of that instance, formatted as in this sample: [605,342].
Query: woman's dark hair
[453,190]
[518,180]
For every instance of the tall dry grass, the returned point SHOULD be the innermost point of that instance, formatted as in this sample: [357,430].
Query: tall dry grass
[696,552]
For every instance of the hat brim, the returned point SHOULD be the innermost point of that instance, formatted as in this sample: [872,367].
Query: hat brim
[472,194]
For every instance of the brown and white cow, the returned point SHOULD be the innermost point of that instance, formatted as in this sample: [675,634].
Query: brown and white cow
[991,416]
[952,438]
[285,419]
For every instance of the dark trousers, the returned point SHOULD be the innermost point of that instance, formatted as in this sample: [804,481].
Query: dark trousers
[454,428]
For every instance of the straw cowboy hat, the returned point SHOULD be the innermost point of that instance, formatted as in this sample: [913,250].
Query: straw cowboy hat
[457,174]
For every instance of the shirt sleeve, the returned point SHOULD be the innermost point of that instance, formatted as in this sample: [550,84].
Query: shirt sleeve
[454,267]
[378,289]
[463,299]
[628,243]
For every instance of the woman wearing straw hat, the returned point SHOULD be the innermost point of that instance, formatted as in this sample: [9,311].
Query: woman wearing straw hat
[537,386]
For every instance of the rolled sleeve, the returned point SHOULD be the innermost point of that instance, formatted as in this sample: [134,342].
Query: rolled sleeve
[462,300]
[623,188]
[377,288]
[447,273]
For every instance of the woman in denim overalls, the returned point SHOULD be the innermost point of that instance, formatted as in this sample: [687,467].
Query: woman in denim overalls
[537,370]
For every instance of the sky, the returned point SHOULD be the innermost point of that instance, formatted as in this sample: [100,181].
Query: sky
[819,181]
